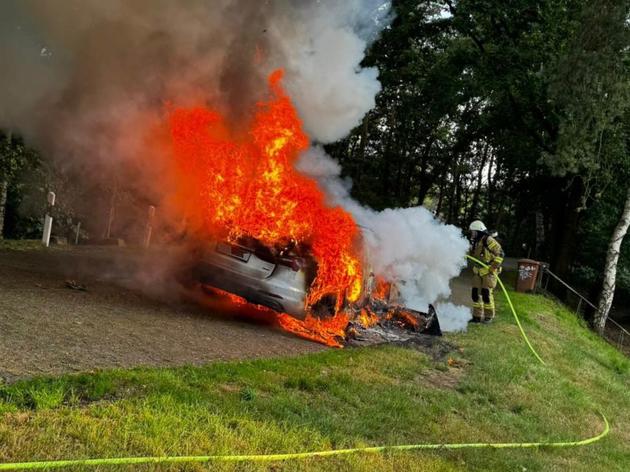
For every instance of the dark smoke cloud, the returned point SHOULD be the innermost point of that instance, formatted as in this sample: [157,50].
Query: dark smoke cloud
[89,61]
[79,69]
[83,80]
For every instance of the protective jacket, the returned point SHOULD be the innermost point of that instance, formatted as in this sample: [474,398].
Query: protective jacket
[488,250]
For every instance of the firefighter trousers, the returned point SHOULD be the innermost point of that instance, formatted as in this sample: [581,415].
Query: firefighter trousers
[483,296]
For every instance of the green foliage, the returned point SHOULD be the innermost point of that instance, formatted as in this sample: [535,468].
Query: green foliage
[21,168]
[601,219]
[46,398]
[13,156]
[589,89]
[248,394]
[511,112]
[21,245]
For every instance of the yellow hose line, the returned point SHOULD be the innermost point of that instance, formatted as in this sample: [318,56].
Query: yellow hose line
[294,455]
[509,300]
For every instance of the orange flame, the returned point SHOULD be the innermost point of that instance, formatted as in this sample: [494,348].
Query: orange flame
[367,317]
[329,331]
[381,290]
[244,184]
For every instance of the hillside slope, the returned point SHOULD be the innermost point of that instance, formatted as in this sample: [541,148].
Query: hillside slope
[489,388]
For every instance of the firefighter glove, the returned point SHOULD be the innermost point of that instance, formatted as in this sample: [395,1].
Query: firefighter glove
[484,271]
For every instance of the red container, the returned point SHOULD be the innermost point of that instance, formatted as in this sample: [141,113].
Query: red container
[527,275]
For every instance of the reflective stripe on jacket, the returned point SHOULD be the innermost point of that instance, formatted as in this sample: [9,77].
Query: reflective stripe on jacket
[489,251]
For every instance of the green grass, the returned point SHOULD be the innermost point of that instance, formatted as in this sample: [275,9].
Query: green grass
[21,244]
[493,391]
[30,245]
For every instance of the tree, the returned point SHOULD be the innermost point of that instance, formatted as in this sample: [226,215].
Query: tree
[22,179]
[589,90]
[610,269]
[619,144]
[506,111]
[12,157]
[395,156]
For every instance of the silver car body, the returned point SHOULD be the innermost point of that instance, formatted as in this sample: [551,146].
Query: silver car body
[278,283]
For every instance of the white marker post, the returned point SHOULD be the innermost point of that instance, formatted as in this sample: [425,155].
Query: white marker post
[76,237]
[48,220]
[149,227]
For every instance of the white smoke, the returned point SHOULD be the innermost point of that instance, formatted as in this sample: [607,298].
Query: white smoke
[406,246]
[453,318]
[66,60]
[321,48]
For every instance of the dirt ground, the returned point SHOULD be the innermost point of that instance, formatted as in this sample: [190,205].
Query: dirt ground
[132,313]
[126,317]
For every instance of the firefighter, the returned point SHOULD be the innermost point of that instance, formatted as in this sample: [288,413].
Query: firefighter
[489,251]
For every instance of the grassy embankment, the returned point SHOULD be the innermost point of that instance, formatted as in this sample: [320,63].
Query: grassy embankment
[21,244]
[491,390]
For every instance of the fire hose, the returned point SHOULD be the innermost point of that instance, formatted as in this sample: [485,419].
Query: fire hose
[311,454]
[509,300]
[295,455]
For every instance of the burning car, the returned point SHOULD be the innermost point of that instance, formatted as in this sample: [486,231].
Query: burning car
[265,232]
[280,280]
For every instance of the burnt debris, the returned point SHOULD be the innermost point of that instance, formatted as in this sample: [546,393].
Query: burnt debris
[393,324]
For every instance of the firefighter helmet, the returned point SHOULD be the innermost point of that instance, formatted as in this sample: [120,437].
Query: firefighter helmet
[477,225]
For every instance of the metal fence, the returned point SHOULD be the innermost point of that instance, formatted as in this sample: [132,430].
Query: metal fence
[551,284]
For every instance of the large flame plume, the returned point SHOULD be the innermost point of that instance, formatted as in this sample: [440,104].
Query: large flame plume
[237,184]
